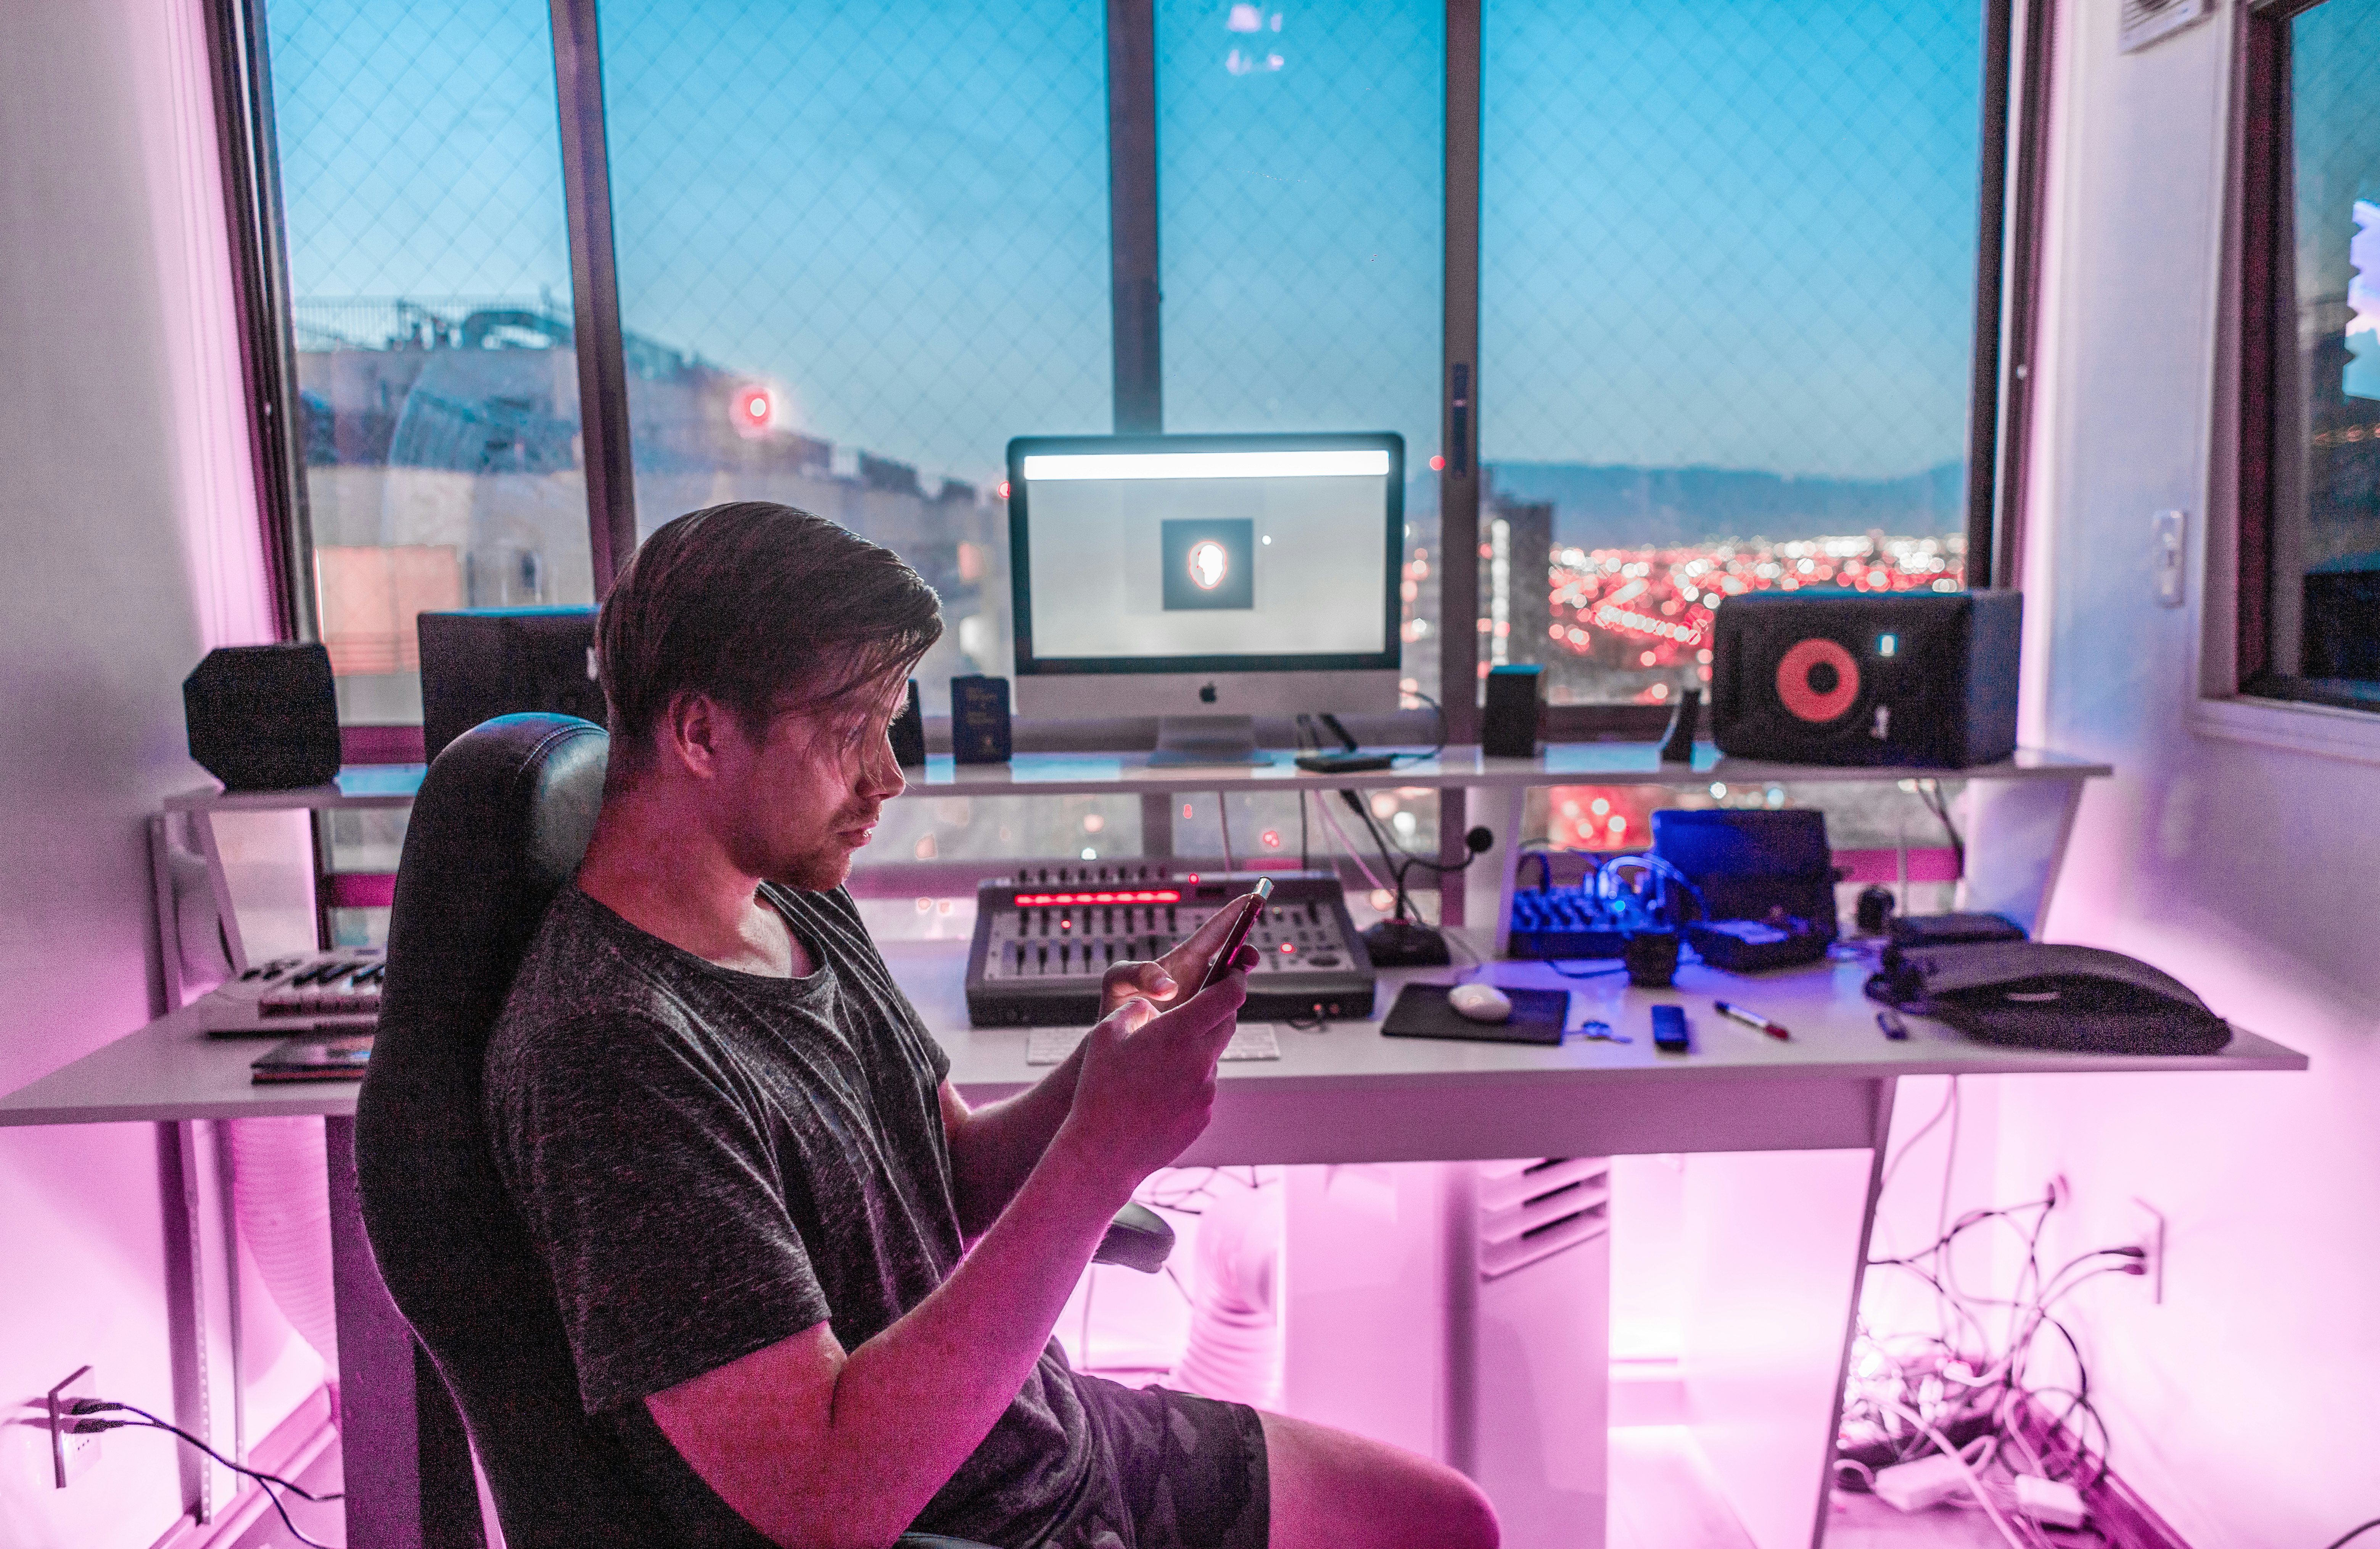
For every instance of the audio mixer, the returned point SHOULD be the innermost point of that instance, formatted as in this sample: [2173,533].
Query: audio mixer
[1043,940]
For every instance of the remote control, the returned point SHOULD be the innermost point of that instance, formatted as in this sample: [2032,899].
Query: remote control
[1670,1029]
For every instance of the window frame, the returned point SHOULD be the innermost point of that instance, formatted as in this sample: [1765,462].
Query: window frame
[2256,343]
[2013,105]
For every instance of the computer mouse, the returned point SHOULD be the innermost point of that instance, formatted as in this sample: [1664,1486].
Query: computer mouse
[1480,1003]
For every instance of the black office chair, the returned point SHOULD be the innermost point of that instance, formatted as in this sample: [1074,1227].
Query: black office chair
[500,823]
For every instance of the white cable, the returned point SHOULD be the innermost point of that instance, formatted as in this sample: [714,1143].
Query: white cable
[1330,821]
[1224,816]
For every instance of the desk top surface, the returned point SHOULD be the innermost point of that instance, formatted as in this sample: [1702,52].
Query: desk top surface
[171,1070]
[1101,774]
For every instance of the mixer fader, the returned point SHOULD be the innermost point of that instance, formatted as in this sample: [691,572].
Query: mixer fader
[1043,940]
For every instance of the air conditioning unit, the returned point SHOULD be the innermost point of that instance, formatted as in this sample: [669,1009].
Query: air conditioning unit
[1460,1310]
[2147,20]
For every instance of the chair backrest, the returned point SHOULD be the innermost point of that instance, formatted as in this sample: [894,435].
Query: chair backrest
[500,823]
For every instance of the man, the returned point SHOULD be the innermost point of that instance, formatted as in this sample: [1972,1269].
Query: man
[808,1286]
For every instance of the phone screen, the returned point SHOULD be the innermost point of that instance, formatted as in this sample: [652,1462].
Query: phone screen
[1221,962]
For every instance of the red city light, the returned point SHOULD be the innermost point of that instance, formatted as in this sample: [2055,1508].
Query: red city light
[753,408]
[1003,489]
[1271,838]
[1437,465]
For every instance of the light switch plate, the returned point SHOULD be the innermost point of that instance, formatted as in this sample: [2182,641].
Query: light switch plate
[2166,556]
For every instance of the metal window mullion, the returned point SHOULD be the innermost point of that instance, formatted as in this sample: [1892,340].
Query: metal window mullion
[2027,165]
[1986,396]
[595,293]
[1132,217]
[1458,482]
[242,81]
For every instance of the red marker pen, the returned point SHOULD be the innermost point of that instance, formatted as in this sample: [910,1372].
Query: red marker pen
[1751,1019]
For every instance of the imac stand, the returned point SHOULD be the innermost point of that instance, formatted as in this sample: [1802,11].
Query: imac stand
[1207,739]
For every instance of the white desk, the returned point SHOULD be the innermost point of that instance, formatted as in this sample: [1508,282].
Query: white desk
[1343,1094]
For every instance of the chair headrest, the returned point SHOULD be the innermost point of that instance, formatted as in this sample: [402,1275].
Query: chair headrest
[500,826]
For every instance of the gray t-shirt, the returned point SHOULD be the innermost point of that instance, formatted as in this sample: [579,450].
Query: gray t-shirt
[709,1161]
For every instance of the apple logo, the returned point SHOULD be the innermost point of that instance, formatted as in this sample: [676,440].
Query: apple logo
[1206,693]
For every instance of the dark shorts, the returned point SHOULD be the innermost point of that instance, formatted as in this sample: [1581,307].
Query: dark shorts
[1176,1471]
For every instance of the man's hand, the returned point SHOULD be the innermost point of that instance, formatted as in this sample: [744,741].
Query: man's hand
[1146,1087]
[1174,976]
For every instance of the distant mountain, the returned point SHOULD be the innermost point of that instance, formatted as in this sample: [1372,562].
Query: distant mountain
[1623,507]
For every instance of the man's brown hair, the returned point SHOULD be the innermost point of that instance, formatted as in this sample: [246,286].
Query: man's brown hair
[763,607]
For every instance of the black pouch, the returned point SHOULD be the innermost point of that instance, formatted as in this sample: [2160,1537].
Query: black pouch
[2043,995]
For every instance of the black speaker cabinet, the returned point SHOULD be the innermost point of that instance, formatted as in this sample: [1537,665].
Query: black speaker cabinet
[909,733]
[264,718]
[486,661]
[1507,723]
[980,730]
[1922,678]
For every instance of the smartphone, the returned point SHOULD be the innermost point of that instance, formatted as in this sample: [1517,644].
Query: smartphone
[1220,963]
[1670,1029]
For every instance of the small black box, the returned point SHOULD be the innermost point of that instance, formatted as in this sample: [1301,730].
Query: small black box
[264,718]
[486,661]
[909,732]
[979,719]
[1508,727]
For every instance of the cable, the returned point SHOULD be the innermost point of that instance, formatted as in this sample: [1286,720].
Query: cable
[1419,757]
[1929,792]
[2358,1532]
[1223,816]
[93,1407]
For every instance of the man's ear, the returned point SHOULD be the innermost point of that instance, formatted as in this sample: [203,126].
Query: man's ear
[691,729]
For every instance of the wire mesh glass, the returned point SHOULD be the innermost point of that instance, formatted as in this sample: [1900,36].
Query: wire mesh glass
[429,270]
[1728,262]
[2325,609]
[861,247]
[1301,188]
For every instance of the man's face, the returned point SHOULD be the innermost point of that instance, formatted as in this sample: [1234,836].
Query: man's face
[796,805]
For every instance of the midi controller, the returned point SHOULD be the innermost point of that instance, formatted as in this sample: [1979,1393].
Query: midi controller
[1043,940]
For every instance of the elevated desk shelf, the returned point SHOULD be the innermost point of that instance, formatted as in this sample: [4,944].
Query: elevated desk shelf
[1630,764]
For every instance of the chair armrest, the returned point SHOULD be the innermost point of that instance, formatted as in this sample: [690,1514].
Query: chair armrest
[1138,1238]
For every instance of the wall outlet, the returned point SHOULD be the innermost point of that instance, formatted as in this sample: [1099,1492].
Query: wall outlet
[2151,1246]
[2166,558]
[72,1452]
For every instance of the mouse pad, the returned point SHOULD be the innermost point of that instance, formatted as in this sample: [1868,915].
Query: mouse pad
[1421,1012]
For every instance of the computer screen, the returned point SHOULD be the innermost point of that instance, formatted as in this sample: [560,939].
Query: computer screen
[1206,559]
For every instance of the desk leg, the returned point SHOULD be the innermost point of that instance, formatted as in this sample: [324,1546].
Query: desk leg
[1772,1305]
[407,1463]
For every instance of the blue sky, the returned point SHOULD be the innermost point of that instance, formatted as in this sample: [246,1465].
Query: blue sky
[1736,234]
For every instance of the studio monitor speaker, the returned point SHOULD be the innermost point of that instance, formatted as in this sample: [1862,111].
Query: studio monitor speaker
[1922,678]
[264,718]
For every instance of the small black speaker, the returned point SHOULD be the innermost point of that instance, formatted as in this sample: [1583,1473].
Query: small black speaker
[264,718]
[1508,726]
[1922,678]
[909,732]
[486,661]
[979,719]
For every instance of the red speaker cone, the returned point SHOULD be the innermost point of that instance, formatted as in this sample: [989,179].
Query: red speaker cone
[1817,680]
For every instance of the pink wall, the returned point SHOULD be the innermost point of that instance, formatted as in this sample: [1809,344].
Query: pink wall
[2241,1407]
[127,521]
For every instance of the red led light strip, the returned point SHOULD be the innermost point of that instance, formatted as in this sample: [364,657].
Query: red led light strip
[1149,896]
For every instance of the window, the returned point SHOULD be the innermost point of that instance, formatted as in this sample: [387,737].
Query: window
[2310,611]
[429,283]
[1300,186]
[1726,270]
[860,248]
[1727,299]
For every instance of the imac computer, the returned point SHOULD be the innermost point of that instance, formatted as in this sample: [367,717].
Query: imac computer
[1206,580]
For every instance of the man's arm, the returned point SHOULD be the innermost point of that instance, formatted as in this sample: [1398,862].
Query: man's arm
[993,1148]
[817,1447]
